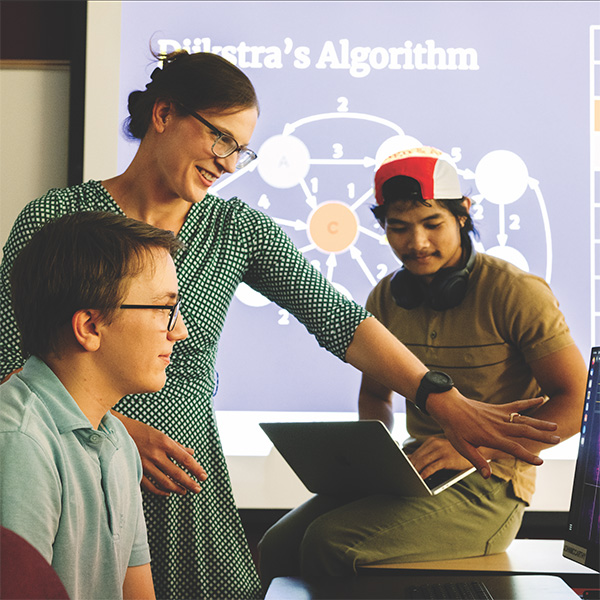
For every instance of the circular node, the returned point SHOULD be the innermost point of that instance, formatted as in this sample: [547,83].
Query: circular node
[333,227]
[511,255]
[250,297]
[342,290]
[284,161]
[395,144]
[501,176]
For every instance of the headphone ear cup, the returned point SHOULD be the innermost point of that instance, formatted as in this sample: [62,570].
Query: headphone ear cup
[449,291]
[449,288]
[407,290]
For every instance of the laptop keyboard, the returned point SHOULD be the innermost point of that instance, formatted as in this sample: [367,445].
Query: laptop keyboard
[463,590]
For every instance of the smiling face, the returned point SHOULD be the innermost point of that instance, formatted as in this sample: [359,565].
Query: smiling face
[426,239]
[135,347]
[183,159]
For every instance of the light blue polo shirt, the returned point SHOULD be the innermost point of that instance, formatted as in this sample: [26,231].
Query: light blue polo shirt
[70,490]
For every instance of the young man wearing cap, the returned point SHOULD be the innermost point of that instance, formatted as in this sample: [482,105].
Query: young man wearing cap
[475,320]
[96,300]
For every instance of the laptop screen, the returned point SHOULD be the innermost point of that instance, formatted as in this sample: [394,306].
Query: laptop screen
[581,538]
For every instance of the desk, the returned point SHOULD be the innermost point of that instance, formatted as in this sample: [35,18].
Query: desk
[528,570]
[502,587]
[525,557]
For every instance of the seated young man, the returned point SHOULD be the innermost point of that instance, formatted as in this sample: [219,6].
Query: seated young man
[496,331]
[69,472]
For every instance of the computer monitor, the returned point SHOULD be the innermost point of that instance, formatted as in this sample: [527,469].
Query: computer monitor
[581,538]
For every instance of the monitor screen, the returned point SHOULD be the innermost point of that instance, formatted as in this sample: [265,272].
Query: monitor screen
[581,539]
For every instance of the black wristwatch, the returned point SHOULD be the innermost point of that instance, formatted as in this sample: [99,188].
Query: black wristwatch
[433,382]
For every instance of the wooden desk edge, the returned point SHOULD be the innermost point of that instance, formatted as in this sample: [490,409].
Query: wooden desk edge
[522,556]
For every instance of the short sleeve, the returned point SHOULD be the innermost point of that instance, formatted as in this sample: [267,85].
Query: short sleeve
[532,319]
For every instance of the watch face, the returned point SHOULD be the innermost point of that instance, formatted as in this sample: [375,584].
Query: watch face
[441,379]
[432,382]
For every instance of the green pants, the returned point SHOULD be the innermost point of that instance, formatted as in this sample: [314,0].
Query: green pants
[332,536]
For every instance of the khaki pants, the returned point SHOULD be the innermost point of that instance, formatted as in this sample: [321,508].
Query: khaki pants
[328,536]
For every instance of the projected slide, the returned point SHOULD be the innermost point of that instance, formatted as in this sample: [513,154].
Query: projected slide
[341,86]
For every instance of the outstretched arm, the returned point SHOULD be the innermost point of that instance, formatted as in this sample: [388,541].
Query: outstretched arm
[375,402]
[467,424]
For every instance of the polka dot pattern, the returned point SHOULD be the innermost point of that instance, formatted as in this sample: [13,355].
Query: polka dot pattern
[197,542]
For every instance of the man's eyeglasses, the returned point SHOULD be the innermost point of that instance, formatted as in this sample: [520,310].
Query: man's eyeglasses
[224,145]
[172,308]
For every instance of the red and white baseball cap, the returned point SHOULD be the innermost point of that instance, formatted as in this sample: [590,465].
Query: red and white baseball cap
[431,168]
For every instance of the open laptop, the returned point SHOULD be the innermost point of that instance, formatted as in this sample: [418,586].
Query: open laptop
[353,458]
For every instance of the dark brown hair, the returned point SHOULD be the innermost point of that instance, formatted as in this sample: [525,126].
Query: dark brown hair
[79,261]
[200,81]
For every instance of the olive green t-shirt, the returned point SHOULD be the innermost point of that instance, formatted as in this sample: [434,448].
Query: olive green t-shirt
[507,319]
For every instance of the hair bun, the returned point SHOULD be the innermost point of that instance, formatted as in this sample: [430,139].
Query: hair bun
[156,74]
[133,99]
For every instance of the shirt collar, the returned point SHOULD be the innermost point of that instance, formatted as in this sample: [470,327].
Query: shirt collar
[40,378]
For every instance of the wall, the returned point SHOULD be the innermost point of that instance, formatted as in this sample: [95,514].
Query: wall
[34,125]
[39,41]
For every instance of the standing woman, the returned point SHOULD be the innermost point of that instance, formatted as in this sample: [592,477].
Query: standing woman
[194,120]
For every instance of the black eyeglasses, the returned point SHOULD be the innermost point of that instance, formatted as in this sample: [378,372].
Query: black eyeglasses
[172,308]
[224,145]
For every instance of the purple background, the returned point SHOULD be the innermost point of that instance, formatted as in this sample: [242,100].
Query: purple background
[530,96]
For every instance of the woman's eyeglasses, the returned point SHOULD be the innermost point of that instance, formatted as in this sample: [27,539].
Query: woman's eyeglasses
[224,144]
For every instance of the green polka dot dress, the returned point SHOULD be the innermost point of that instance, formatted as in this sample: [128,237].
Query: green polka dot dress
[198,546]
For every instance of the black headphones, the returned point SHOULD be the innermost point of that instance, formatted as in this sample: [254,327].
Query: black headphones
[446,290]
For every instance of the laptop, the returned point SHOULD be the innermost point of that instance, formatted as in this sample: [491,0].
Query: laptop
[353,458]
